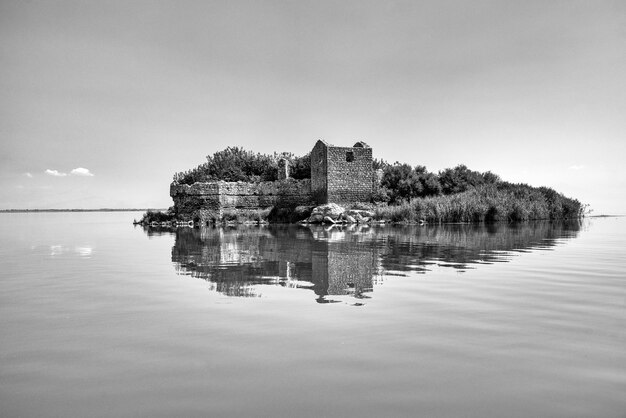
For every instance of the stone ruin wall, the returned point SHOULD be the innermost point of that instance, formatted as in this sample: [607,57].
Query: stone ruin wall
[318,171]
[342,174]
[207,201]
[349,181]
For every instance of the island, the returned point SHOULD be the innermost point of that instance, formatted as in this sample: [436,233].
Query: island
[337,185]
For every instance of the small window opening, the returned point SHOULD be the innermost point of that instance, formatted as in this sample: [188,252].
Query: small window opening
[350,156]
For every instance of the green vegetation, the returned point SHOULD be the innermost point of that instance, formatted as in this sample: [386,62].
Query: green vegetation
[246,215]
[237,164]
[157,216]
[401,182]
[299,167]
[485,203]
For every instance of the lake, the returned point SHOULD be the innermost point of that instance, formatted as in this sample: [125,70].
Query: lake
[100,318]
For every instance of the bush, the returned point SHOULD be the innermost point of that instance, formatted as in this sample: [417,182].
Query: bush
[237,164]
[460,178]
[401,183]
[158,216]
[232,164]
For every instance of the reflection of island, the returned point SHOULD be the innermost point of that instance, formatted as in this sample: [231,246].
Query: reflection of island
[346,261]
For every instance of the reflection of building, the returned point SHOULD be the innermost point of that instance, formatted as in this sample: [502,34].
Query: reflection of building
[344,271]
[235,260]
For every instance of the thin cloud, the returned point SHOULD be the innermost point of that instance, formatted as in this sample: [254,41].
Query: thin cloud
[55,173]
[29,175]
[576,167]
[80,171]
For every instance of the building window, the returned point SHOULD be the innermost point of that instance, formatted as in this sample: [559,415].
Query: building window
[350,156]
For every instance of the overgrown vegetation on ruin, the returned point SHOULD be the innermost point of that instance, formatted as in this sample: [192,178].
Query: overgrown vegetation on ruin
[238,164]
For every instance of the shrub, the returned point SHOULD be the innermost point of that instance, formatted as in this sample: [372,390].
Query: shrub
[460,178]
[232,164]
[158,216]
[237,164]
[401,182]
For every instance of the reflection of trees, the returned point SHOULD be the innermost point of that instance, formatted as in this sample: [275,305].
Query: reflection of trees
[345,261]
[458,246]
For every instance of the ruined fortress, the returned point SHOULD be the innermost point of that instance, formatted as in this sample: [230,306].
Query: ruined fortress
[338,174]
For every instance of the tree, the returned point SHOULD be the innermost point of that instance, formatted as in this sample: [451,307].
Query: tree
[403,182]
[460,178]
[300,167]
[232,164]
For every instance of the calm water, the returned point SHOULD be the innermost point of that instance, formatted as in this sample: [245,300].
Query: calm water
[98,318]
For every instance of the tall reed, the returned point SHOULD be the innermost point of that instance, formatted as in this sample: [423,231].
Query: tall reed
[489,203]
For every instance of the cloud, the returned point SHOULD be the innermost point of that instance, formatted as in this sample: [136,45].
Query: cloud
[55,173]
[29,175]
[80,171]
[576,167]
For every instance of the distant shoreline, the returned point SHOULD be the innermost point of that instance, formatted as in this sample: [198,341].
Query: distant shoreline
[75,210]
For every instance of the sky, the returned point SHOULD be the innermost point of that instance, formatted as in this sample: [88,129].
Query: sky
[101,102]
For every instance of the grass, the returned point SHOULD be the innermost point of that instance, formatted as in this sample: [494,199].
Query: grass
[485,204]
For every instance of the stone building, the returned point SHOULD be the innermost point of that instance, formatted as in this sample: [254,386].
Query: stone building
[341,174]
[338,174]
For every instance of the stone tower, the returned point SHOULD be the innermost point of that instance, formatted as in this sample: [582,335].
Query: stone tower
[341,174]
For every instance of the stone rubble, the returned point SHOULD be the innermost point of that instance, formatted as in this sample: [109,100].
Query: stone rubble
[332,213]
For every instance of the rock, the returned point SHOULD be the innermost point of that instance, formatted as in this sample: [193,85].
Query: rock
[316,218]
[328,220]
[332,210]
[349,219]
[302,212]
[361,212]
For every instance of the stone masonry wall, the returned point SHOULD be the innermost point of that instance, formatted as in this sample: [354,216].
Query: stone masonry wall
[318,171]
[208,200]
[349,174]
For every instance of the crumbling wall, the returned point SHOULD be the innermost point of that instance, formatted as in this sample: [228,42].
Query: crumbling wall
[349,174]
[207,201]
[319,168]
[341,174]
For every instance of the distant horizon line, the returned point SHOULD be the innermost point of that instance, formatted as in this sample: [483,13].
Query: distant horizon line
[80,210]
